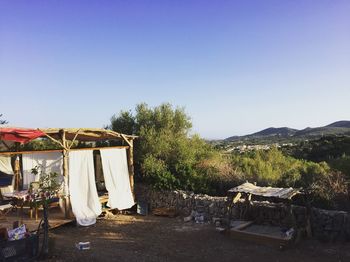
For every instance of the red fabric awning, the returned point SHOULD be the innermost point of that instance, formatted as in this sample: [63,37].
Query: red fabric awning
[22,135]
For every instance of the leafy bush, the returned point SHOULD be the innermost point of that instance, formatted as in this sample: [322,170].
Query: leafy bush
[335,150]
[2,121]
[324,187]
[165,155]
[342,164]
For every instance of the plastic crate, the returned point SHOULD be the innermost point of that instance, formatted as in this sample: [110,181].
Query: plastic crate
[20,250]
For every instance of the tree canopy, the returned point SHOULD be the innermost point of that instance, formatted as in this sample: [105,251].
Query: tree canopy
[2,121]
[165,154]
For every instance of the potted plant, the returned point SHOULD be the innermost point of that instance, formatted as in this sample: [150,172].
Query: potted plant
[48,190]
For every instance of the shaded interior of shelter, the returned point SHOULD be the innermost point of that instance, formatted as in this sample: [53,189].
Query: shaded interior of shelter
[57,216]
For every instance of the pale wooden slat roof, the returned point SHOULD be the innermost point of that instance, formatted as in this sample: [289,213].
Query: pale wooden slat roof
[85,134]
[283,193]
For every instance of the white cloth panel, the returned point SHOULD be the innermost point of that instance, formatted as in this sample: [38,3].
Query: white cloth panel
[49,162]
[82,187]
[5,166]
[115,171]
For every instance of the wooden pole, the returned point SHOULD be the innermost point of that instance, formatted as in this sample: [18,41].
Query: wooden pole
[6,145]
[17,173]
[65,175]
[18,180]
[75,137]
[131,164]
[58,150]
[55,140]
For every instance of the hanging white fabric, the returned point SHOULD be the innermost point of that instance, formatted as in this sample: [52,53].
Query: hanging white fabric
[47,163]
[5,167]
[82,187]
[115,171]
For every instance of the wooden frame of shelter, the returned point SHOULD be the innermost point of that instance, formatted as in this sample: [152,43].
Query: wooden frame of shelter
[66,137]
[246,191]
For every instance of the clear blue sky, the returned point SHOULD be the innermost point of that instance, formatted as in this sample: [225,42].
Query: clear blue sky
[236,66]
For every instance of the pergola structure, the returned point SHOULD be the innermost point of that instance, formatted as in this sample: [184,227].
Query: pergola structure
[65,139]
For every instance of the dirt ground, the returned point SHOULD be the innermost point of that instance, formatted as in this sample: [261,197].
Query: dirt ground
[151,238]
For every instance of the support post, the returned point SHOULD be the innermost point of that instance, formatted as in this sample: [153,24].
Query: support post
[231,204]
[131,164]
[65,175]
[17,174]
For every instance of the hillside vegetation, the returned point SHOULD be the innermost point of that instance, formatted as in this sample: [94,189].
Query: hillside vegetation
[167,157]
[335,150]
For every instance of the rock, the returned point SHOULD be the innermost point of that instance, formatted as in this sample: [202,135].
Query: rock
[200,209]
[212,208]
[199,219]
[188,219]
[215,219]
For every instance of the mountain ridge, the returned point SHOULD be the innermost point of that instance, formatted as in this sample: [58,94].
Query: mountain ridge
[336,128]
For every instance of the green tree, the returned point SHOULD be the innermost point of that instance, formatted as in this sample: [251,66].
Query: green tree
[165,155]
[124,123]
[2,121]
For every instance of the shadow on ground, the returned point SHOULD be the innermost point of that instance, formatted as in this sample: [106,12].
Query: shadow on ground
[150,238]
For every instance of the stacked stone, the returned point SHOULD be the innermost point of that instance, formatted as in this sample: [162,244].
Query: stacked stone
[209,207]
[300,216]
[185,203]
[330,225]
[326,225]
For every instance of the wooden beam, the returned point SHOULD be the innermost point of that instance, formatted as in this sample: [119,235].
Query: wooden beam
[75,137]
[6,145]
[243,225]
[235,199]
[58,150]
[131,165]
[126,140]
[55,140]
[260,238]
[97,148]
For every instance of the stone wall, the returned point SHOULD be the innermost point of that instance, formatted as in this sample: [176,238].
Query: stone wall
[184,203]
[326,225]
[330,225]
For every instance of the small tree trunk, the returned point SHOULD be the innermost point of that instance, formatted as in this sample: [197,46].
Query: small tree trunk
[45,247]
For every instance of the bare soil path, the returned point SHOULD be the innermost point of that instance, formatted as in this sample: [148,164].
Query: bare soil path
[150,238]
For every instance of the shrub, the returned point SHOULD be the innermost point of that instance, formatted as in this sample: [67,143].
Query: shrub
[323,186]
[165,155]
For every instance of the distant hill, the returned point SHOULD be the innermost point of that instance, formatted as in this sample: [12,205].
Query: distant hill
[286,133]
[343,123]
[273,131]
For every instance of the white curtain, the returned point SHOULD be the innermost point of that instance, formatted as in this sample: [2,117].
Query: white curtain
[48,162]
[5,166]
[115,171]
[82,187]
